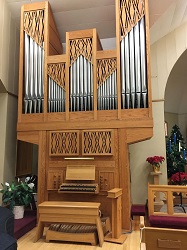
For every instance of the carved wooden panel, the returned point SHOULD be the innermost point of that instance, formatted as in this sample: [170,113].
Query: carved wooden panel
[57,72]
[81,47]
[34,25]
[98,142]
[64,143]
[105,67]
[130,12]
[106,180]
[54,179]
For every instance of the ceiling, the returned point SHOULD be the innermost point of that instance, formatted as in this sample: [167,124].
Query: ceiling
[100,14]
[85,14]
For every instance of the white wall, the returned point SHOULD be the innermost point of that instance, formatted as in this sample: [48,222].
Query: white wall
[9,51]
[140,169]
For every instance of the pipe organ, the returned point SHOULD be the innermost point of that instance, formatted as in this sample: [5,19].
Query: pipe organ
[84,107]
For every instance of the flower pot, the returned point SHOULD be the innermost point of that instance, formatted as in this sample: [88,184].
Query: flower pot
[18,212]
[156,168]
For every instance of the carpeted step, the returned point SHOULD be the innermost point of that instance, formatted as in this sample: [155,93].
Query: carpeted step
[22,226]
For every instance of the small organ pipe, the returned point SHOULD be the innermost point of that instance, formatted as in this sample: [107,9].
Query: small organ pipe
[81,82]
[107,94]
[56,97]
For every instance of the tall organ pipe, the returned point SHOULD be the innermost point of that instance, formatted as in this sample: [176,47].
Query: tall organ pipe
[143,62]
[137,64]
[26,98]
[33,76]
[133,68]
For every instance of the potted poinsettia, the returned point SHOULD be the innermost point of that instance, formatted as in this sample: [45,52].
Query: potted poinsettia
[155,162]
[17,194]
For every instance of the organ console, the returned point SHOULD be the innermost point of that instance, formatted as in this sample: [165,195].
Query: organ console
[85,105]
[80,175]
[79,187]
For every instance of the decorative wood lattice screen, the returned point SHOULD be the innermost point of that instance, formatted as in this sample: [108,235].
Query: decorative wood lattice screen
[97,142]
[34,25]
[130,12]
[105,68]
[64,143]
[57,72]
[81,47]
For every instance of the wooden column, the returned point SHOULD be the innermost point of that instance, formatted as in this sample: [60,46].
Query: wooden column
[124,178]
[156,182]
[116,236]
[42,149]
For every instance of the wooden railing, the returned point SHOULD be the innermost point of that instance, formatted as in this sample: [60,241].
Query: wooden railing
[169,193]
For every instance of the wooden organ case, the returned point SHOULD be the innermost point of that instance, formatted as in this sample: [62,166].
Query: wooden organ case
[84,107]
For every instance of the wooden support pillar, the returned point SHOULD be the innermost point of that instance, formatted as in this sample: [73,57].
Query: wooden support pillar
[116,236]
[157,201]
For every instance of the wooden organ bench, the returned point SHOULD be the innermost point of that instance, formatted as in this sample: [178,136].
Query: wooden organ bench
[69,212]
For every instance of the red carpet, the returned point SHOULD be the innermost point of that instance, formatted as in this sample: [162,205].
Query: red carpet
[22,226]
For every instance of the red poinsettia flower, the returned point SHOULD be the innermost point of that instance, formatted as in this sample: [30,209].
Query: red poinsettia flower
[155,160]
[179,178]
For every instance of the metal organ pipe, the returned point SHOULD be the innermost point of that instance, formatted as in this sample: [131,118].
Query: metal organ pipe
[26,98]
[107,94]
[143,62]
[137,64]
[56,97]
[33,76]
[133,68]
[81,85]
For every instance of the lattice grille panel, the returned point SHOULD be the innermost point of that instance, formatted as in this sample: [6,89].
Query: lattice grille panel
[105,67]
[131,11]
[57,72]
[97,143]
[81,47]
[34,25]
[64,143]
